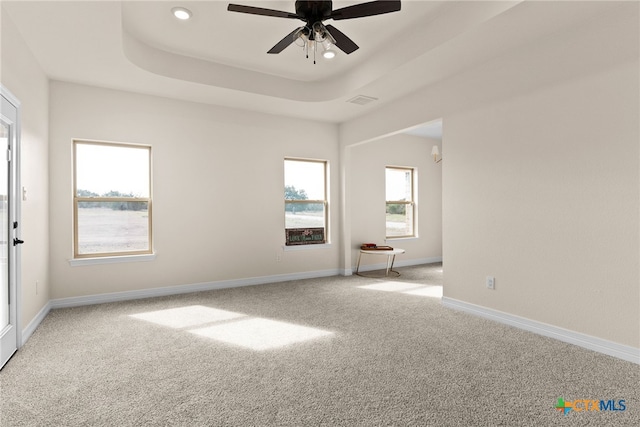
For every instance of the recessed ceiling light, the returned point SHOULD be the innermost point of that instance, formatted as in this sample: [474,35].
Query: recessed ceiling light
[181,13]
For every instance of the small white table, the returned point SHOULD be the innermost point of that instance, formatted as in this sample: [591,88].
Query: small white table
[391,257]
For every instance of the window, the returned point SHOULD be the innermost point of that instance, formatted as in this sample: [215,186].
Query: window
[112,199]
[305,201]
[400,202]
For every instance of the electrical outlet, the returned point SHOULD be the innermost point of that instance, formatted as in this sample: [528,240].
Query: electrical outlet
[36,287]
[278,257]
[491,282]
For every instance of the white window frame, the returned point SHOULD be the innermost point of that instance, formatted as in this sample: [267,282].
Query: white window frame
[324,202]
[115,255]
[409,204]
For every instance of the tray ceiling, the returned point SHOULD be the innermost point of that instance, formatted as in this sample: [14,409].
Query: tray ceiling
[219,57]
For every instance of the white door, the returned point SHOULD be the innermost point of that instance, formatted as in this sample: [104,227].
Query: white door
[8,225]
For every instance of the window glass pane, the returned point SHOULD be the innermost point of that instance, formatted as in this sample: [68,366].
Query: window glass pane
[112,171]
[304,179]
[399,220]
[4,229]
[112,227]
[398,184]
[399,188]
[301,215]
[119,173]
[304,182]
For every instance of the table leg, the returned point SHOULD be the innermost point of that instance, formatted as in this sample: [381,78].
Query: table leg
[389,264]
[358,265]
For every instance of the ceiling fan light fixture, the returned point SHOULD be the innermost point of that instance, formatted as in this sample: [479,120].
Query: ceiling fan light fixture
[318,31]
[301,37]
[329,54]
[181,13]
[301,40]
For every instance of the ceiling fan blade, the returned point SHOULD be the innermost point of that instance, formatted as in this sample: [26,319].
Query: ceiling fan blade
[286,41]
[261,11]
[343,42]
[366,9]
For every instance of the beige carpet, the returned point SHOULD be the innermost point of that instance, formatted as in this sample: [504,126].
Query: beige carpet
[344,351]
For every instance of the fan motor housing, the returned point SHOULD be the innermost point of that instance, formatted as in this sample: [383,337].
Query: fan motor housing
[313,11]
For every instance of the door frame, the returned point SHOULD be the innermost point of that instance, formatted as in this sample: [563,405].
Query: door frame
[14,255]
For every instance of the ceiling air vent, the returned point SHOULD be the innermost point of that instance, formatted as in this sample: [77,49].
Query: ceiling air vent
[362,100]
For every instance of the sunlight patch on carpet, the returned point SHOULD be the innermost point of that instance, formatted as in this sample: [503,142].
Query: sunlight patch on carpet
[260,334]
[185,317]
[406,288]
[427,291]
[390,286]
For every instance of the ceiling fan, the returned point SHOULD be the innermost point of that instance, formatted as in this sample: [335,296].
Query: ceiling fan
[314,32]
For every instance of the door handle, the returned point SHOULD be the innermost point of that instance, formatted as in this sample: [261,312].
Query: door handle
[17,242]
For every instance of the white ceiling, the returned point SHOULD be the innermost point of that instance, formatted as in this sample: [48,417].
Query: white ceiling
[219,57]
[431,130]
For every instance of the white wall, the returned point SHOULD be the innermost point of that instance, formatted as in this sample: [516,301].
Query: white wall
[21,75]
[549,205]
[367,197]
[541,181]
[218,186]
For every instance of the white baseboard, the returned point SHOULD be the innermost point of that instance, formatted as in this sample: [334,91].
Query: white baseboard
[624,352]
[35,322]
[185,289]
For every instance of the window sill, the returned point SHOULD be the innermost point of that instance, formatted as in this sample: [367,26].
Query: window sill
[306,247]
[395,239]
[77,262]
